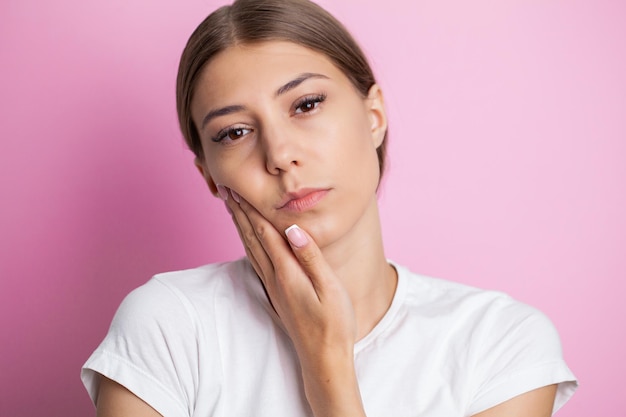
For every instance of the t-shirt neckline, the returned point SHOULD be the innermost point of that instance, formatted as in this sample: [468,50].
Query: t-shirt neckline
[388,318]
[380,327]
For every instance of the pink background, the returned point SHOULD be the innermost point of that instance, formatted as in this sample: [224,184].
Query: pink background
[507,170]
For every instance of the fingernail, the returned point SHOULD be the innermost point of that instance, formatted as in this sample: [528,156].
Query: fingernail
[235,196]
[223,192]
[296,236]
[228,209]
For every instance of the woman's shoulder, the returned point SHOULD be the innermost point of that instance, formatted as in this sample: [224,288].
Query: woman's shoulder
[163,328]
[501,338]
[190,293]
[200,281]
[208,275]
[205,277]
[472,310]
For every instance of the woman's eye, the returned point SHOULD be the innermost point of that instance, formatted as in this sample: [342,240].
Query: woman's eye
[309,103]
[231,133]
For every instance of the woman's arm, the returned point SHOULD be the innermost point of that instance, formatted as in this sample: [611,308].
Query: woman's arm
[313,306]
[116,401]
[535,403]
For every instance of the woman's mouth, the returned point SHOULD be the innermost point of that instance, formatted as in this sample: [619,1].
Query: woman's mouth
[303,200]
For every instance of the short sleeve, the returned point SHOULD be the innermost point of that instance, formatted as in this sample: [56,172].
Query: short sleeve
[520,351]
[151,349]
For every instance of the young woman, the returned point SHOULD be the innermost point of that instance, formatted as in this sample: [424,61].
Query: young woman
[288,126]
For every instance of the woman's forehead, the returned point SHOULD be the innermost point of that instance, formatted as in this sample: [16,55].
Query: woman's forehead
[260,68]
[266,64]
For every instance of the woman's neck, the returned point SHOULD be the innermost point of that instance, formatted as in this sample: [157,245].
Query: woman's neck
[359,261]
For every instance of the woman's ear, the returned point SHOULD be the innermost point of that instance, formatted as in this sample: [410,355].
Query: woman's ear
[377,114]
[199,163]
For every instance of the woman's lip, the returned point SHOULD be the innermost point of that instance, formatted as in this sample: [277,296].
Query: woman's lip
[303,199]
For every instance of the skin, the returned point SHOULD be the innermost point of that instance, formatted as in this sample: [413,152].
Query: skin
[331,284]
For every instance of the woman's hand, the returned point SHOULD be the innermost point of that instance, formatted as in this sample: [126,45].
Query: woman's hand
[312,304]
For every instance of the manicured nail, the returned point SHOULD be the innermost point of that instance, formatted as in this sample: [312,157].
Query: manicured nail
[296,236]
[223,192]
[228,209]
[235,196]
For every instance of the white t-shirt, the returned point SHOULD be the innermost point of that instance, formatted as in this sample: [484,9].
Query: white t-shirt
[206,342]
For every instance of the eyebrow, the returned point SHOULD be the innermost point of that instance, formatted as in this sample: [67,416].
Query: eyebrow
[224,111]
[297,81]
[220,112]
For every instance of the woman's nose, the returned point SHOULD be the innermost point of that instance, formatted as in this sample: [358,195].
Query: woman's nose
[281,152]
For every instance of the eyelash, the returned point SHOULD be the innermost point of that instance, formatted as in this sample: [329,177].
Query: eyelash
[314,100]
[222,134]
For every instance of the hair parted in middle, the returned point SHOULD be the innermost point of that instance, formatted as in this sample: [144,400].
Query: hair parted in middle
[252,21]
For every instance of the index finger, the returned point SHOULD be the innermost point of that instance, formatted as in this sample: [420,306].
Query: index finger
[309,256]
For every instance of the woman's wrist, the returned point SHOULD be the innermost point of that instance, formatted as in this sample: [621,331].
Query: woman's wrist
[331,386]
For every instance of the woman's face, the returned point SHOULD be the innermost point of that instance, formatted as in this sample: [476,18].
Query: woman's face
[285,129]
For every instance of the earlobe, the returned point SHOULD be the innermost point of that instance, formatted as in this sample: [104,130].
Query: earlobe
[205,174]
[377,114]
